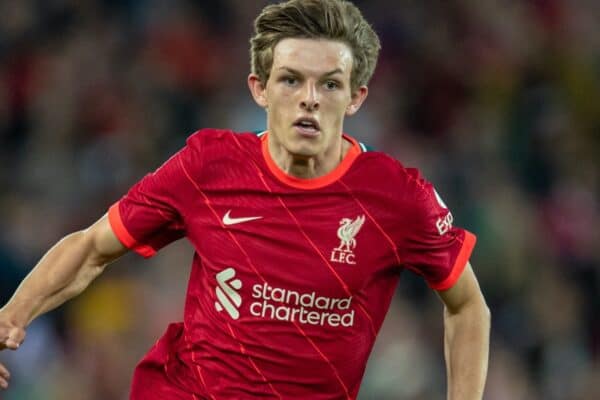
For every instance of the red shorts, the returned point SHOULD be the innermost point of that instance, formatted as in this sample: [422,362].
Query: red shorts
[150,380]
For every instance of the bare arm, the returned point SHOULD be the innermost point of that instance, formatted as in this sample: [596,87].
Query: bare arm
[62,273]
[467,330]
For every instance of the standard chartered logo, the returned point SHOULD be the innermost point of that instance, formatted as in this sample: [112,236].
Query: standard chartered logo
[306,308]
[227,296]
[281,304]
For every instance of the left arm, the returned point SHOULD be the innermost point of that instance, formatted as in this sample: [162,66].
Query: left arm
[466,337]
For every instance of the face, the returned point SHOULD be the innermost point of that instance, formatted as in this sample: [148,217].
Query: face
[308,94]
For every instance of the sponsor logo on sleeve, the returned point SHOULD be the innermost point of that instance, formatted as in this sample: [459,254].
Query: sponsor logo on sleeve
[444,223]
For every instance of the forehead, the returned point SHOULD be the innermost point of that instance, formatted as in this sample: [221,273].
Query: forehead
[312,56]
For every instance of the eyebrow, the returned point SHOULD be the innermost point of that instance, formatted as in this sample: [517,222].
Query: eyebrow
[296,72]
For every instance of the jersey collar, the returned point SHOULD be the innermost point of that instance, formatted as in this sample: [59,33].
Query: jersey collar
[310,183]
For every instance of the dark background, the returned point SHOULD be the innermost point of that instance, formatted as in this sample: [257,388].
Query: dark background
[497,102]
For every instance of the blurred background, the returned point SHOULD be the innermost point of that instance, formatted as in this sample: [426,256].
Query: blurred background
[497,102]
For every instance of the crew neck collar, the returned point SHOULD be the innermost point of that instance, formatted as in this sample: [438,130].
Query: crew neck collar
[311,183]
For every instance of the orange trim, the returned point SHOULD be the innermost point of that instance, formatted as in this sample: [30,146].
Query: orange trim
[312,183]
[114,217]
[116,223]
[459,264]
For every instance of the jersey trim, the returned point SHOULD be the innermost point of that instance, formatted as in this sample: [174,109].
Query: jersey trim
[459,264]
[116,223]
[312,183]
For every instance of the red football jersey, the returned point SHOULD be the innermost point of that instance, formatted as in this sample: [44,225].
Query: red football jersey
[291,278]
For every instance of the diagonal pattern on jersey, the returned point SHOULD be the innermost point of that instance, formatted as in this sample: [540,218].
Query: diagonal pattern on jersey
[210,207]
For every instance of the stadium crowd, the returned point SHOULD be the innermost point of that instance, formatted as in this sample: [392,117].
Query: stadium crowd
[498,103]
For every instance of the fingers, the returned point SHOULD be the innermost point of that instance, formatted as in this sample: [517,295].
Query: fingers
[13,340]
[10,338]
[4,377]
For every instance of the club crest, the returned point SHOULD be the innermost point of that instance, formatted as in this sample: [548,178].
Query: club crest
[347,232]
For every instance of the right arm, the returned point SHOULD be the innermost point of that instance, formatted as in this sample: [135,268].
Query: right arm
[151,213]
[62,273]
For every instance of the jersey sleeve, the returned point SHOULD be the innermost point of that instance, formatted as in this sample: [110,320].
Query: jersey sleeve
[149,216]
[433,247]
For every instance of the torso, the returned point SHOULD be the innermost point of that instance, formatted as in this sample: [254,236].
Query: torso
[315,274]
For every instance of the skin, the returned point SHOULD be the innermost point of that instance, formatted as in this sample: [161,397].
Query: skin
[309,78]
[466,337]
[64,272]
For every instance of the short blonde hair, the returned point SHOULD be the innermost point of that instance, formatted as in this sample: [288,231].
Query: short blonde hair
[337,20]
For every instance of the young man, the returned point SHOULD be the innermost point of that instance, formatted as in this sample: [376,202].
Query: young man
[300,235]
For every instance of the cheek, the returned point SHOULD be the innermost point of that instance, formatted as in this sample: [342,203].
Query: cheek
[278,109]
[336,107]
[280,99]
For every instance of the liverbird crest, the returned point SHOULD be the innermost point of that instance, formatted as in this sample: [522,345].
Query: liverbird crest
[347,231]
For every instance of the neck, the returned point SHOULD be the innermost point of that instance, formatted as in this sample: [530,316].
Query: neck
[309,167]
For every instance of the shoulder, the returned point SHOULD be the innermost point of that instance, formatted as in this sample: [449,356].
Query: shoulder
[220,137]
[208,152]
[412,197]
[380,167]
[214,145]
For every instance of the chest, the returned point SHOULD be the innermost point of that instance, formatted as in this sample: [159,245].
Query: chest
[328,242]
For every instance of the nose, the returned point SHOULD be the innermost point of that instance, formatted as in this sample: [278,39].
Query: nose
[310,101]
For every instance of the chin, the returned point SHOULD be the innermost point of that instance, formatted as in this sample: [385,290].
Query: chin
[300,149]
[307,147]
[303,151]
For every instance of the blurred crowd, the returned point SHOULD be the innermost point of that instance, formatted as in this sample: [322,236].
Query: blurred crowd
[497,102]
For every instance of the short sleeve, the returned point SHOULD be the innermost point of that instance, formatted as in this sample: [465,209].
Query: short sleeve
[433,247]
[148,217]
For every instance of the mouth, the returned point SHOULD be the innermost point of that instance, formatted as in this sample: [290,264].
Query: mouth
[307,126]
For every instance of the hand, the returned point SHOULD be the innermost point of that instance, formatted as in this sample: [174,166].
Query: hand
[11,337]
[4,377]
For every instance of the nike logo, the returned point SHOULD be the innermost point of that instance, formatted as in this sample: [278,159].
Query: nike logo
[227,220]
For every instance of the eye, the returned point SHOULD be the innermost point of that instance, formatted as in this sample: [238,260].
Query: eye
[331,85]
[290,80]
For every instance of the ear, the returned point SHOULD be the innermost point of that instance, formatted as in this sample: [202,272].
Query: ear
[358,98]
[258,90]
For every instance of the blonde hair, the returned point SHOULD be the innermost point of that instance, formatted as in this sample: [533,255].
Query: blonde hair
[337,20]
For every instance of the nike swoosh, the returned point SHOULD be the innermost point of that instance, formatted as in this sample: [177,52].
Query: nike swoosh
[227,220]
